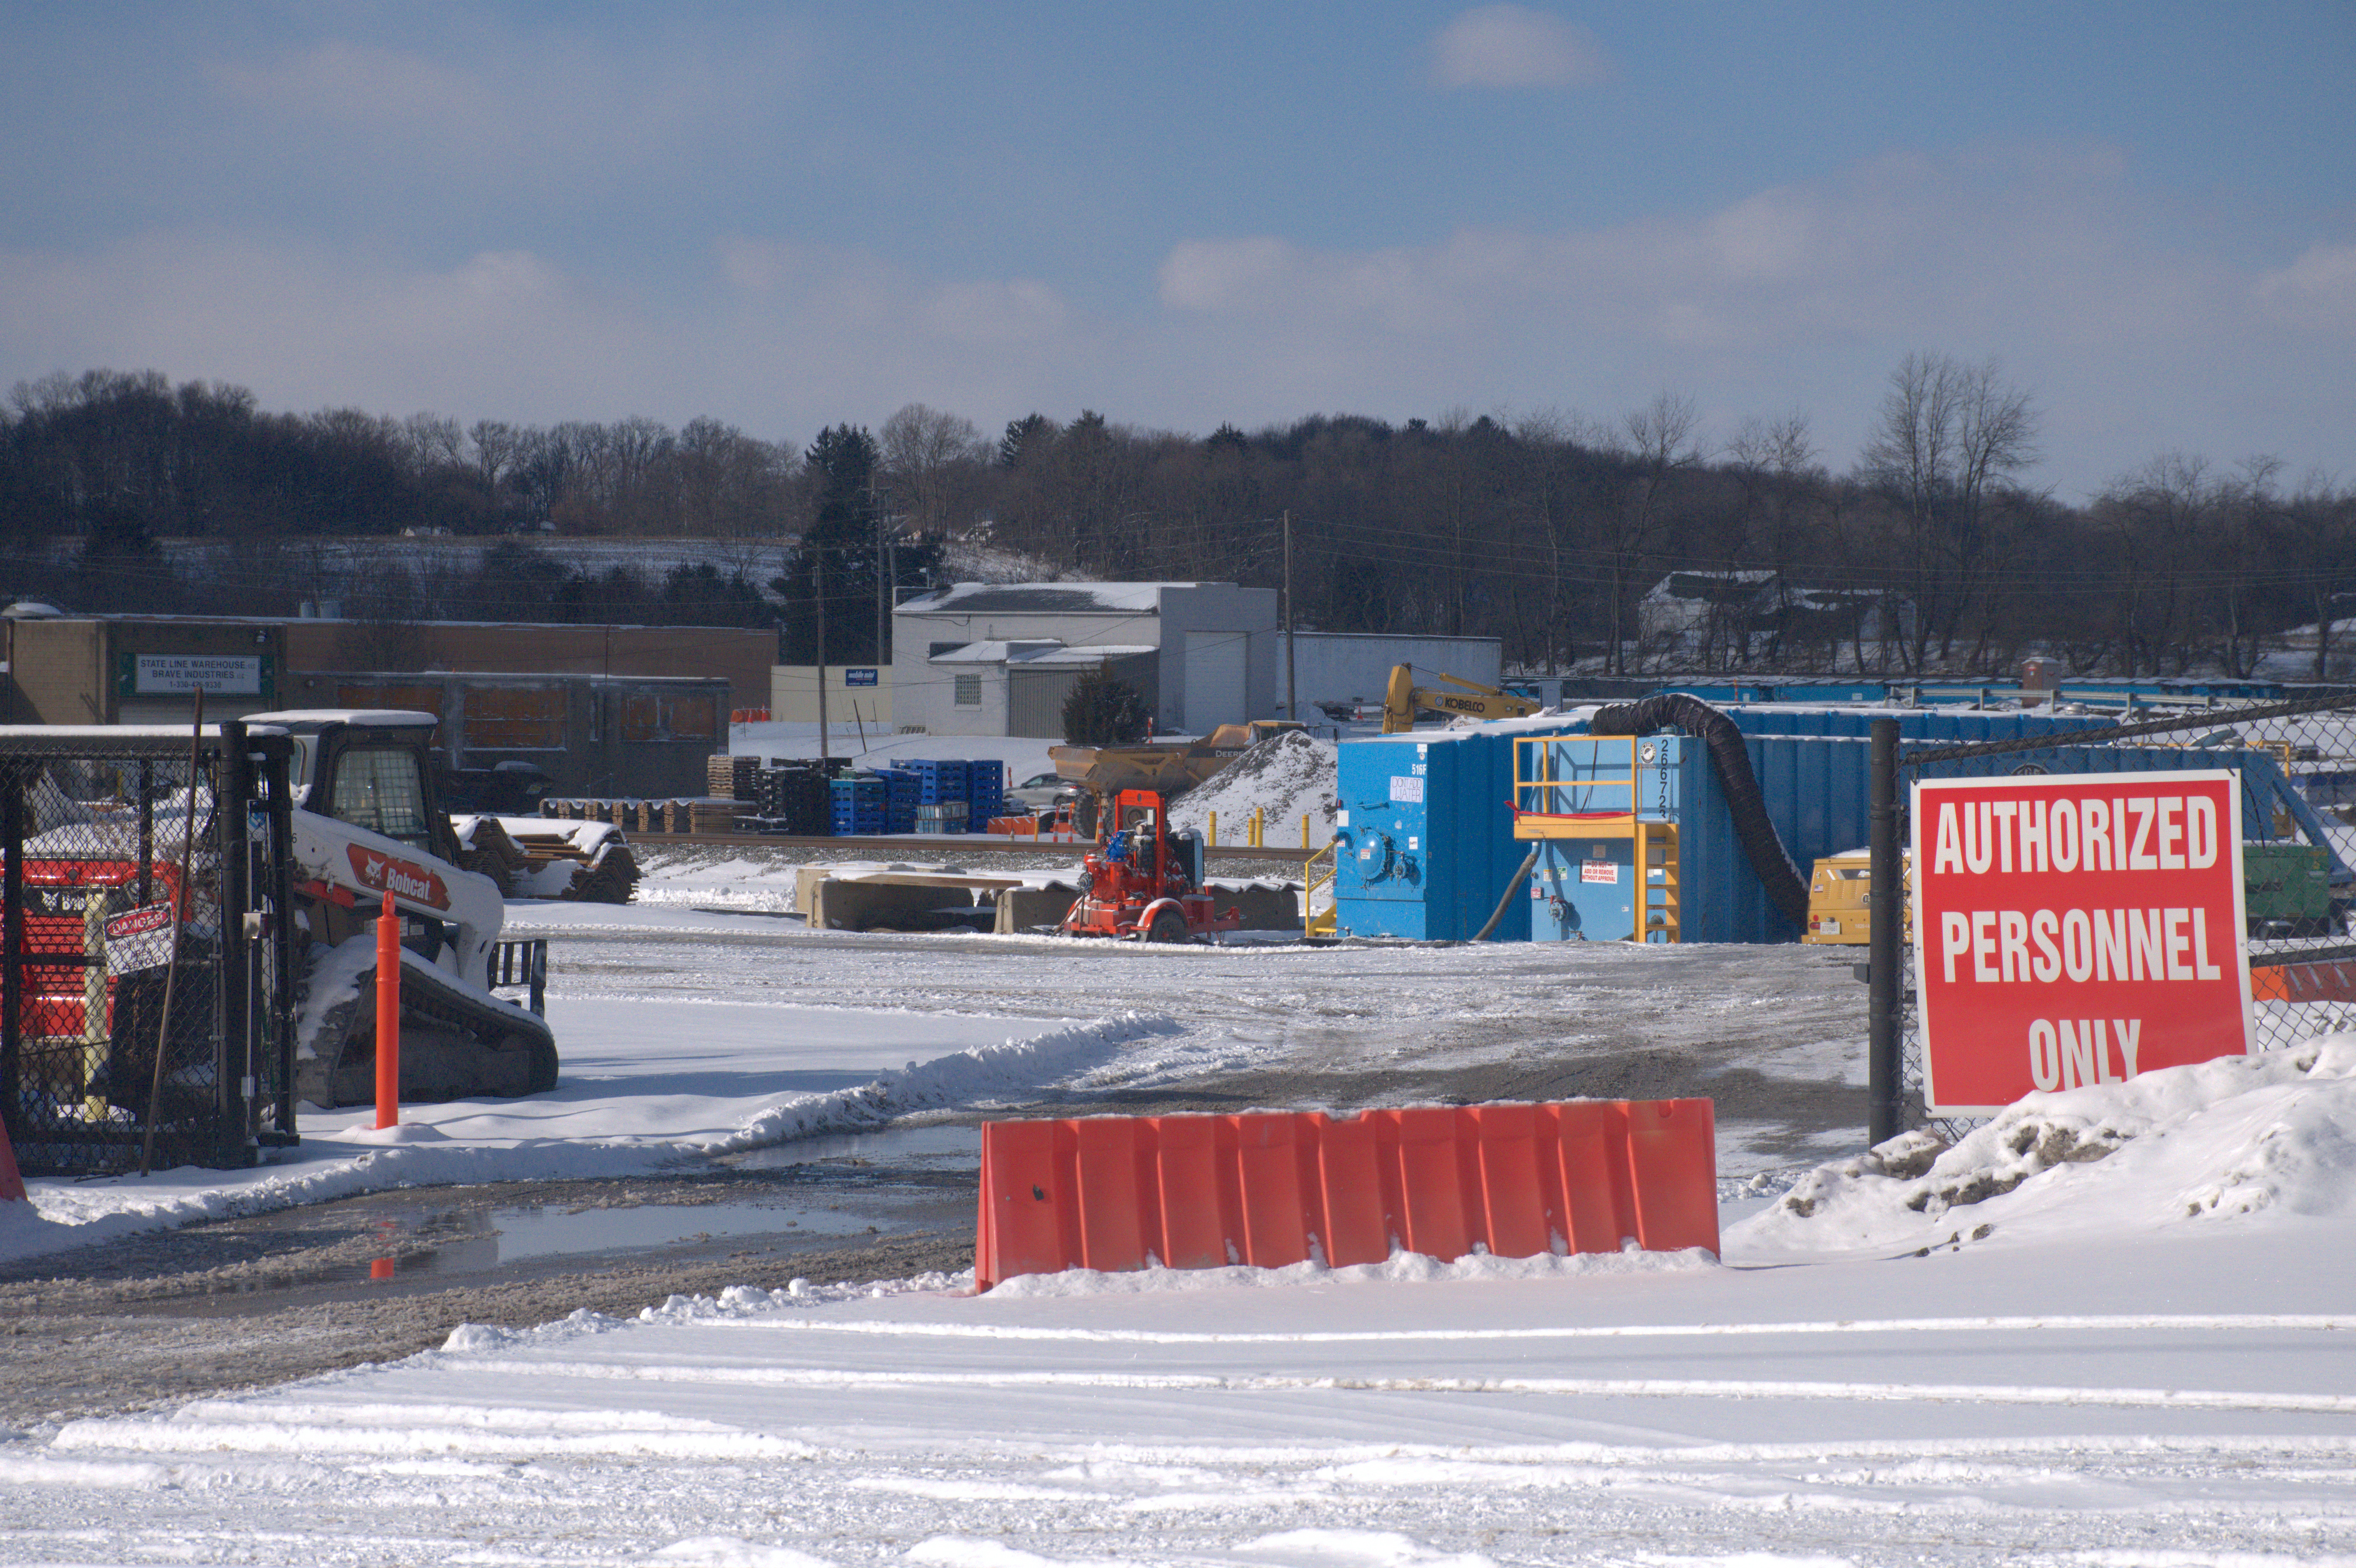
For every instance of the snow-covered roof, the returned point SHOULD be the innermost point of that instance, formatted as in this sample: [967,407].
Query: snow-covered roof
[1038,651]
[1085,654]
[304,719]
[1709,585]
[1043,599]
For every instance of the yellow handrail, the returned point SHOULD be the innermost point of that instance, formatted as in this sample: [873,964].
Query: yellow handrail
[1317,921]
[1524,807]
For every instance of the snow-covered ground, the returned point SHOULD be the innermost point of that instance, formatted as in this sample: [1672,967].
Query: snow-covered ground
[2108,1329]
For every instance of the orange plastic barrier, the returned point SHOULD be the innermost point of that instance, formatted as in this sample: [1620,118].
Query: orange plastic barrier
[2324,982]
[1114,1193]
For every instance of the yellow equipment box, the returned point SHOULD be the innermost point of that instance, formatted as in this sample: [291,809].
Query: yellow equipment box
[1840,911]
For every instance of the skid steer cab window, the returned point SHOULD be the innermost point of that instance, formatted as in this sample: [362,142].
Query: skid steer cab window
[377,788]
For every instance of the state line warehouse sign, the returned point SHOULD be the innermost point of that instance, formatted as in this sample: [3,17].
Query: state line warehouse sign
[2076,930]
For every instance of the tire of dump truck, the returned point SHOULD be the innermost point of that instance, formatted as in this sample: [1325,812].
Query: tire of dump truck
[1168,925]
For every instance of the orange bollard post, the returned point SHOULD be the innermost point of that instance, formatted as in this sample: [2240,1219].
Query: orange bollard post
[388,1017]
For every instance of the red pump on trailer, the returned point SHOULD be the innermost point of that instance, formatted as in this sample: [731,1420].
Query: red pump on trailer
[1145,883]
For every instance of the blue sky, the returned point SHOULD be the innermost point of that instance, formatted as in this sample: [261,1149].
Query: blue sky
[1180,216]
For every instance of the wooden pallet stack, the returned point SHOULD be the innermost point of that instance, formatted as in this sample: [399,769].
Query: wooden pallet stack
[711,815]
[515,854]
[733,777]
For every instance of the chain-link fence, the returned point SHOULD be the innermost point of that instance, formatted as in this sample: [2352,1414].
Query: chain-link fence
[2297,761]
[146,1016]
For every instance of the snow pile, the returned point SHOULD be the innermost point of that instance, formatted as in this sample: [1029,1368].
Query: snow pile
[1402,1268]
[1289,774]
[2239,1136]
[972,1076]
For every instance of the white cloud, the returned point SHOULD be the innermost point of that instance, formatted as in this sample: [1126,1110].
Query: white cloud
[1807,295]
[2134,339]
[1513,46]
[2317,290]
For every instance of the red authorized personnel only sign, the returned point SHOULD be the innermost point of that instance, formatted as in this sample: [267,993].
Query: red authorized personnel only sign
[2075,929]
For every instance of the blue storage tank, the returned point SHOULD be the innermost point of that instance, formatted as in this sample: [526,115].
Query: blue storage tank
[1817,791]
[1831,691]
[1425,840]
[1957,725]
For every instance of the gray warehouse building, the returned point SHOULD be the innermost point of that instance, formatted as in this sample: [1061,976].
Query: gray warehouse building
[983,659]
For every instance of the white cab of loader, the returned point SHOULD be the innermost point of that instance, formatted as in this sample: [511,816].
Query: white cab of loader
[367,821]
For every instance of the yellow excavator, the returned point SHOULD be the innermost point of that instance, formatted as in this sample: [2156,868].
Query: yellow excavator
[1405,700]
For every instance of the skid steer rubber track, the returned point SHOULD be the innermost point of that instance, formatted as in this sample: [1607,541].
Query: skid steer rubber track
[456,1043]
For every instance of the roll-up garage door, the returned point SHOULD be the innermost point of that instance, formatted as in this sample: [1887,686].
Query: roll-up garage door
[1034,701]
[1215,679]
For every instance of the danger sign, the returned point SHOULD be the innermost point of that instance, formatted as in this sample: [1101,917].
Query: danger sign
[2076,930]
[139,939]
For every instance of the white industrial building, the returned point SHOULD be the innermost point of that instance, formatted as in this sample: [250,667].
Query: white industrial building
[986,658]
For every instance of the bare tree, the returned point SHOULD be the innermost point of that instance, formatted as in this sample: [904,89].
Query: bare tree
[1949,436]
[925,454]
[1656,444]
[2159,514]
[1773,461]
[499,447]
[2245,517]
[1545,456]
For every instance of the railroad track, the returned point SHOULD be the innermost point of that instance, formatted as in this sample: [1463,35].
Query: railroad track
[960,844]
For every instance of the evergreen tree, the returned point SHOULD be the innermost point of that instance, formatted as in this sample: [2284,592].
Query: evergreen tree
[1103,710]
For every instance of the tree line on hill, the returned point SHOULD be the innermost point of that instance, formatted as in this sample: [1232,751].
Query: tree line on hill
[1936,552]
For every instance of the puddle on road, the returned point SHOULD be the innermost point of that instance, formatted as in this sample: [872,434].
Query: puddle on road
[441,1241]
[878,1182]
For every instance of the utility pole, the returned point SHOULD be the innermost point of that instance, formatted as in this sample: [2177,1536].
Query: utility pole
[1291,699]
[818,579]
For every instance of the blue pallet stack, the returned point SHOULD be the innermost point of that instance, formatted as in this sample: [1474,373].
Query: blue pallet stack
[859,806]
[901,789]
[985,791]
[939,782]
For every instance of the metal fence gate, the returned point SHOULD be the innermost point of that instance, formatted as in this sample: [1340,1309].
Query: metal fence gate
[2297,763]
[147,1014]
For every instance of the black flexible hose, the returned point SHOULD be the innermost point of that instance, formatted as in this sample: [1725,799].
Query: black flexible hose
[1512,888]
[1787,889]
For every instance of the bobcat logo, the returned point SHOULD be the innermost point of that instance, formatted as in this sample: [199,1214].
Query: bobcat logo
[384,873]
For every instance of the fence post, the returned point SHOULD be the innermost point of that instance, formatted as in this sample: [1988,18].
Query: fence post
[236,1085]
[12,941]
[275,773]
[1885,976]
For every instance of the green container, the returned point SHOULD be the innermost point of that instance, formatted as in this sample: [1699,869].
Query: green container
[2286,881]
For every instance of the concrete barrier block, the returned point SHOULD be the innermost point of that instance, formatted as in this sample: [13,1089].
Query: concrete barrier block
[837,905]
[1021,908]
